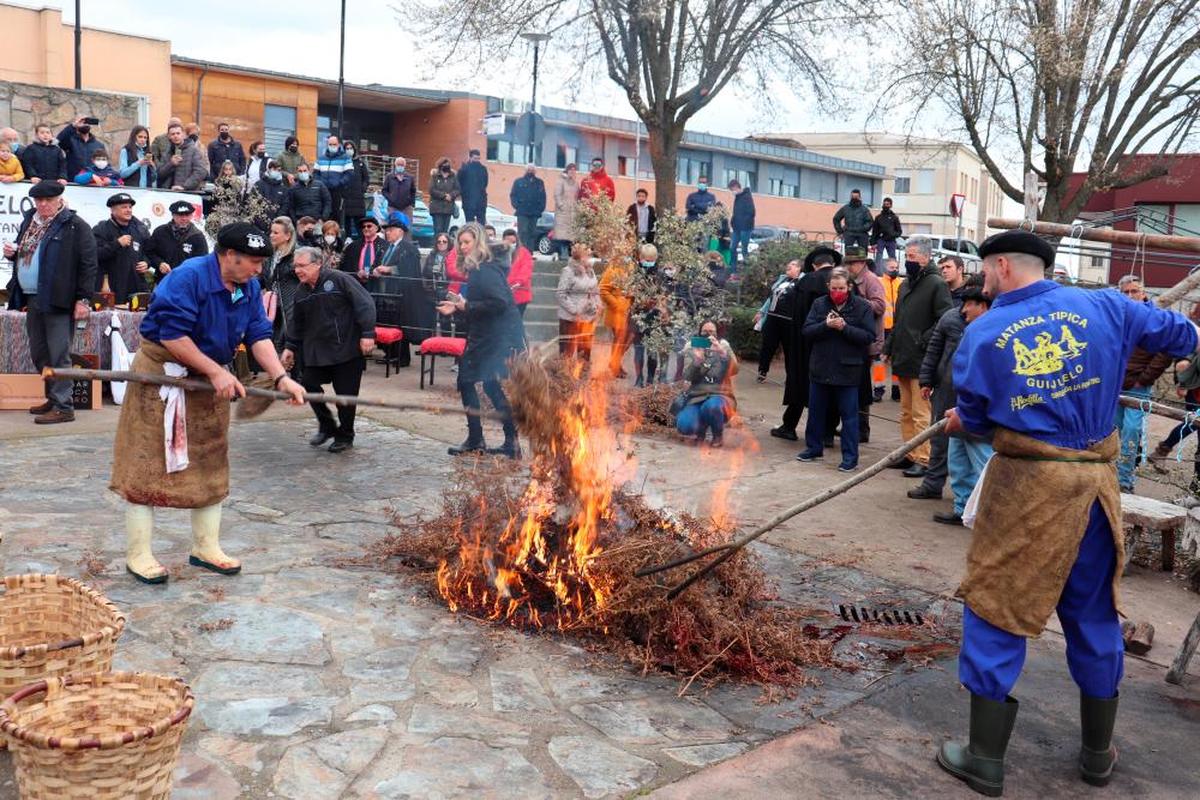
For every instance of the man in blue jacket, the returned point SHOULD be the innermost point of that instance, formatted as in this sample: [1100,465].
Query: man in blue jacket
[700,201]
[742,221]
[528,198]
[54,273]
[80,145]
[332,169]
[473,181]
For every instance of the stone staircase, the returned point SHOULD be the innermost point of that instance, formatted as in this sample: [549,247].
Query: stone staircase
[541,317]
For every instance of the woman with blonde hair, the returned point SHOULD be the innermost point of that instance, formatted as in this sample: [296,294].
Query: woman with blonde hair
[578,304]
[494,335]
[279,276]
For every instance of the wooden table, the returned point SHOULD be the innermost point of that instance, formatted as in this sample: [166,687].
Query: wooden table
[1144,514]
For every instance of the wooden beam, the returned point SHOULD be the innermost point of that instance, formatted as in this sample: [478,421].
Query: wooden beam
[1147,241]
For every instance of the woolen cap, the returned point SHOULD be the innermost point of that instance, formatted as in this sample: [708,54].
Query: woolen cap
[182,207]
[244,238]
[1017,241]
[46,189]
[121,199]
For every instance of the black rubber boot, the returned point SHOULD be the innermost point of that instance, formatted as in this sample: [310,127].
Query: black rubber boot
[980,763]
[474,442]
[1097,756]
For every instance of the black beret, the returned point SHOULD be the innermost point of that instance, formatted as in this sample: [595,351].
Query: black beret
[826,254]
[46,189]
[182,207]
[1018,241]
[120,198]
[244,238]
[855,254]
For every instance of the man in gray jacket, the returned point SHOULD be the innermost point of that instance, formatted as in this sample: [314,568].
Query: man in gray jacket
[184,169]
[853,222]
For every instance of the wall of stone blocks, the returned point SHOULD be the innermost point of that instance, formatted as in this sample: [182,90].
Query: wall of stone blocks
[24,106]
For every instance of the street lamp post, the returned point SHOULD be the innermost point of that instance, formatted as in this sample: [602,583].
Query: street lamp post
[537,37]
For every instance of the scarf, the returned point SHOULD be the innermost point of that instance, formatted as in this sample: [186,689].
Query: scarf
[33,237]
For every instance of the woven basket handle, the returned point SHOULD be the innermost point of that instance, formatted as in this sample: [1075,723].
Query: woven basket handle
[54,687]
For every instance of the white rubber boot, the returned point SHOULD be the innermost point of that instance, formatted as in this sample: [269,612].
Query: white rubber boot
[139,559]
[206,542]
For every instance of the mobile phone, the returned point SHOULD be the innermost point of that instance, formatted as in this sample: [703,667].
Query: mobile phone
[703,342]
[91,120]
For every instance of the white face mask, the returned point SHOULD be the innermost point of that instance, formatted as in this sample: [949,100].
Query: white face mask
[100,163]
[330,238]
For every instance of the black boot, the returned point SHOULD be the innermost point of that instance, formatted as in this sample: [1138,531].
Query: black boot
[864,427]
[1097,757]
[474,442]
[980,763]
[512,444]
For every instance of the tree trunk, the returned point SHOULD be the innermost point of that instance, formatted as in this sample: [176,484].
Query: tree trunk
[664,155]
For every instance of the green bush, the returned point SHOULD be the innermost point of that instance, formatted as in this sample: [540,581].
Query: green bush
[741,334]
[767,264]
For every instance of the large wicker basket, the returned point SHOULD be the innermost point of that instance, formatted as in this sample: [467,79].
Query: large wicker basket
[50,626]
[114,736]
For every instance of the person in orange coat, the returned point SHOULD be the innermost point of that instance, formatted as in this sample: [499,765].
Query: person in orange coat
[614,294]
[10,165]
[882,373]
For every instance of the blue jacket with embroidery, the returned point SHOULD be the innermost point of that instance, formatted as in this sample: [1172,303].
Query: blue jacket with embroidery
[1047,361]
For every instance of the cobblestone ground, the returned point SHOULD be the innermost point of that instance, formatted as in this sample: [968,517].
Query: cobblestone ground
[319,681]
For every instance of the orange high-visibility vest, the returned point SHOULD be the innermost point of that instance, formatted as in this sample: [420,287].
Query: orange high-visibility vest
[891,291]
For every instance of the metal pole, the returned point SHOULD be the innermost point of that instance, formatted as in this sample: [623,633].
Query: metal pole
[78,48]
[637,159]
[533,105]
[341,76]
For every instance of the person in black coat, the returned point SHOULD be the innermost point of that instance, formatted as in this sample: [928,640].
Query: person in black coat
[494,335]
[275,193]
[44,160]
[309,197]
[813,283]
[225,148]
[121,250]
[176,241]
[364,254]
[473,181]
[354,202]
[66,274]
[332,325]
[840,327]
[401,259]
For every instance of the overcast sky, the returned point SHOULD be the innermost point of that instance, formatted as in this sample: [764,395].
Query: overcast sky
[301,37]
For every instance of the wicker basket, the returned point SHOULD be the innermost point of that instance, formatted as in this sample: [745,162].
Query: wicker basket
[50,626]
[97,737]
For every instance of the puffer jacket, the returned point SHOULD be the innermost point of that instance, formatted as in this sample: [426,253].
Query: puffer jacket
[922,302]
[852,218]
[310,200]
[837,357]
[45,162]
[332,169]
[886,227]
[444,191]
[277,197]
[578,293]
[190,173]
[698,203]
[743,211]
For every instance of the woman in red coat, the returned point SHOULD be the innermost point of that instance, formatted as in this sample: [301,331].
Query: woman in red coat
[520,274]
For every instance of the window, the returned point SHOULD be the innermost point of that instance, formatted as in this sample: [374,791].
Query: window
[566,155]
[974,195]
[780,188]
[506,152]
[279,122]
[817,184]
[745,177]
[924,181]
[623,166]
[692,168]
[903,184]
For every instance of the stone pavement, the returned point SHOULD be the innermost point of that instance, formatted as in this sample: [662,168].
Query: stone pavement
[319,680]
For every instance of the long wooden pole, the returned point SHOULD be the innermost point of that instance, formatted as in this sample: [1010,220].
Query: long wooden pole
[1155,241]
[729,548]
[193,385]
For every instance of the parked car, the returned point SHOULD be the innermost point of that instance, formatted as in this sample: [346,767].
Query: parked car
[944,246]
[422,224]
[545,230]
[495,217]
[767,233]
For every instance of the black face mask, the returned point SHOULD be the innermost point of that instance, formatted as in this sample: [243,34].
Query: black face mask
[225,136]
[85,129]
[446,169]
[911,268]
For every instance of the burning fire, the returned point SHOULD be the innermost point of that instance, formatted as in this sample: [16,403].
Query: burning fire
[538,571]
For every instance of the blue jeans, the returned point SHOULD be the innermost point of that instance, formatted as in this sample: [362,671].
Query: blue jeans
[991,659]
[742,237]
[821,398]
[966,459]
[882,246]
[697,418]
[1129,423]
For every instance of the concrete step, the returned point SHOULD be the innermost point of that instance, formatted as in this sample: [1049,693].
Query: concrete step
[541,312]
[538,332]
[544,280]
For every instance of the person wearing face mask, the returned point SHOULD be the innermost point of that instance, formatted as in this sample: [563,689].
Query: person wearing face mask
[44,160]
[176,241]
[354,200]
[225,148]
[812,284]
[80,145]
[273,189]
[307,234]
[444,192]
[528,198]
[883,377]
[473,180]
[309,197]
[121,250]
[700,201]
[332,243]
[290,158]
[332,168]
[597,182]
[774,318]
[924,298]
[256,165]
[100,173]
[12,139]
[400,189]
[853,222]
[709,403]
[885,230]
[840,327]
[650,288]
